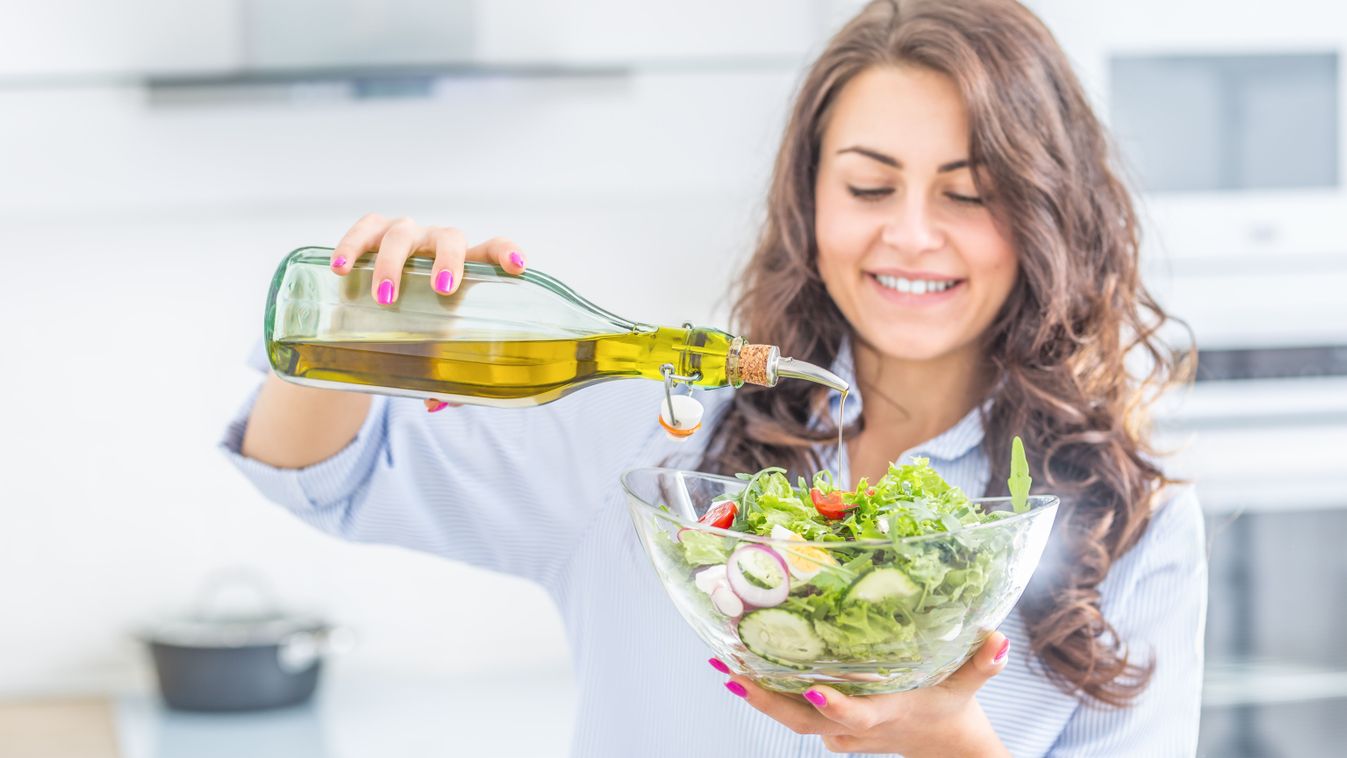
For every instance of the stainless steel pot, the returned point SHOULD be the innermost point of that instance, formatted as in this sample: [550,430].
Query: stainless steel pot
[211,661]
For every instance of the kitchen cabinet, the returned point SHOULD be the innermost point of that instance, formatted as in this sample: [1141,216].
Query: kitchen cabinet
[210,41]
[82,40]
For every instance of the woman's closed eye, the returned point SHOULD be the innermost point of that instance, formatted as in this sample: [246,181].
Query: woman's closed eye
[869,193]
[967,199]
[876,193]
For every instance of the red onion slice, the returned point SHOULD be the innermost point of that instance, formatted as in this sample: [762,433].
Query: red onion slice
[765,564]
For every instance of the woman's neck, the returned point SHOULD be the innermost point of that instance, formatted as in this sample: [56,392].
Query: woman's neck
[909,402]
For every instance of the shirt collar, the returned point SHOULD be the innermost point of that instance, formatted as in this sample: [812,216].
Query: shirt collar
[949,445]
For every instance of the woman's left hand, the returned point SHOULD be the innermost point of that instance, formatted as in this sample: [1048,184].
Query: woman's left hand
[943,720]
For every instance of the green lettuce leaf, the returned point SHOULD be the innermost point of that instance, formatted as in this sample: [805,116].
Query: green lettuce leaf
[704,549]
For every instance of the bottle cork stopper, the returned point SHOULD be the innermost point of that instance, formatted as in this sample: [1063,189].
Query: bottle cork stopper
[754,364]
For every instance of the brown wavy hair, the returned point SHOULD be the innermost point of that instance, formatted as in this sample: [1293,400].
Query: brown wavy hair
[1066,345]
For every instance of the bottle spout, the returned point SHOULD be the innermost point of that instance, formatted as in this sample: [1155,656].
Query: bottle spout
[809,372]
[763,365]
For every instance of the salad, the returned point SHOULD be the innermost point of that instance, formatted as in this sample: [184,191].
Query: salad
[863,591]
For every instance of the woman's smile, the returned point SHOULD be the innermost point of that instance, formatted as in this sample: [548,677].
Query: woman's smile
[916,290]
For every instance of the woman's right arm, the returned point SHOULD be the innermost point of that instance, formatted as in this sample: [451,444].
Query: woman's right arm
[294,427]
[506,489]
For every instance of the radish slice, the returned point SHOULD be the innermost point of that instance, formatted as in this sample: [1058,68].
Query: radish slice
[725,601]
[707,579]
[759,575]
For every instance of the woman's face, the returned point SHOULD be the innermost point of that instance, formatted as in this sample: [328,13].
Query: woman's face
[906,246]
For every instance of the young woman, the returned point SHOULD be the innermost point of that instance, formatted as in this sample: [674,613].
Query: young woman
[945,229]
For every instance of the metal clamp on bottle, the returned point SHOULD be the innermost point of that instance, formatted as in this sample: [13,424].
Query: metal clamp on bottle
[680,415]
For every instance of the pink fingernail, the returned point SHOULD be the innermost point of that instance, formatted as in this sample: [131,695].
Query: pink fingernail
[517,260]
[1001,654]
[444,281]
[816,698]
[719,665]
[736,688]
[339,262]
[441,406]
[386,292]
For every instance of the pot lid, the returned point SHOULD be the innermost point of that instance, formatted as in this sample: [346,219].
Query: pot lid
[231,631]
[254,617]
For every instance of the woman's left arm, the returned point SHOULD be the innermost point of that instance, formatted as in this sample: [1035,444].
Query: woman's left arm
[944,720]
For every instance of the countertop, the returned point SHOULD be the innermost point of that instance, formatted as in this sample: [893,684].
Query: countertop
[371,714]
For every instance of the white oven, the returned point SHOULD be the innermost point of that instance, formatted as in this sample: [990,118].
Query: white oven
[1230,116]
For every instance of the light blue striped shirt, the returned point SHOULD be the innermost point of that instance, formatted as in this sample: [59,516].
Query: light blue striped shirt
[644,686]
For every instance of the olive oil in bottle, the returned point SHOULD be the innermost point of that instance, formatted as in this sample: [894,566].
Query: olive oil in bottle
[525,371]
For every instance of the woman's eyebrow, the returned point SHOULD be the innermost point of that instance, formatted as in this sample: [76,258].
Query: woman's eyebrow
[889,160]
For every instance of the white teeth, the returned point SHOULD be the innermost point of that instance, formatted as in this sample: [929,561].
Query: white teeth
[915,286]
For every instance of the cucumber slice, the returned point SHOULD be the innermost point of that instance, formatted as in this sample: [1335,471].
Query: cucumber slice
[883,584]
[761,569]
[781,636]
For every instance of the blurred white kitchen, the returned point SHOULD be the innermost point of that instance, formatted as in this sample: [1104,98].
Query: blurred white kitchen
[158,159]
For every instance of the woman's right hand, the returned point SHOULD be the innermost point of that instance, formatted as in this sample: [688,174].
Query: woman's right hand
[395,240]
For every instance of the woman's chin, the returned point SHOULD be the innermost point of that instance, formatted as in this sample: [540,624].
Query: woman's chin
[904,348]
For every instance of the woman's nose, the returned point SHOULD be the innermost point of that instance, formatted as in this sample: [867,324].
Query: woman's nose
[912,231]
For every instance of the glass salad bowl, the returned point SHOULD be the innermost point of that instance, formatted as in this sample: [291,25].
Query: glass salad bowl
[868,616]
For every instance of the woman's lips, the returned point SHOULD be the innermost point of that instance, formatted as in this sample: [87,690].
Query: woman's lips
[910,299]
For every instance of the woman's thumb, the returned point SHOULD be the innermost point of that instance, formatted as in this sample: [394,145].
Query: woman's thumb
[987,662]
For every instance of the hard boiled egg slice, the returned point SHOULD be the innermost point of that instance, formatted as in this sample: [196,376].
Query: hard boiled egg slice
[805,562]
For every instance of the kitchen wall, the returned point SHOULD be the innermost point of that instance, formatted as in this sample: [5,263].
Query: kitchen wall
[145,247]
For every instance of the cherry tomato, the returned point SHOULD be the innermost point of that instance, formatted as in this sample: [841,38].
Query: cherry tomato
[830,504]
[721,516]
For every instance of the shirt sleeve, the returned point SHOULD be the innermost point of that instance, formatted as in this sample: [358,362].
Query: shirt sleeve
[509,490]
[1160,613]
